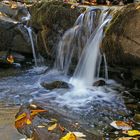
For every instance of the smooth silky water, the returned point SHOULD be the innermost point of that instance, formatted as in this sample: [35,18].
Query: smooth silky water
[94,107]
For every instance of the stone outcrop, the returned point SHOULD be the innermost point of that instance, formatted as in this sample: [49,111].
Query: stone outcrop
[122,40]
[50,20]
[13,35]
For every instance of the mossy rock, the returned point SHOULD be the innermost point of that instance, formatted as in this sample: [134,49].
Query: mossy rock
[121,43]
[50,20]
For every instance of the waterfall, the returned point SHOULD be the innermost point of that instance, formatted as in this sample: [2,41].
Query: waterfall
[86,70]
[75,39]
[105,66]
[32,44]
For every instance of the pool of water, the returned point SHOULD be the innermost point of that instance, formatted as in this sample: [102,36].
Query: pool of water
[94,107]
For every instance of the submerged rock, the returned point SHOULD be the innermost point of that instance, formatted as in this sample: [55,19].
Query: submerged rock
[99,83]
[55,84]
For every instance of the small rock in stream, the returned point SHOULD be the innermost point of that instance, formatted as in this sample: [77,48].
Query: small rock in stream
[99,83]
[55,84]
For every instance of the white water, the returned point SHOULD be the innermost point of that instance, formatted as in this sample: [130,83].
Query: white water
[105,66]
[86,70]
[75,39]
[32,44]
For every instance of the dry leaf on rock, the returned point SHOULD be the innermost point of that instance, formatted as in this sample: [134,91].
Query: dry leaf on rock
[61,128]
[132,132]
[52,127]
[121,125]
[127,138]
[69,136]
[26,118]
[79,134]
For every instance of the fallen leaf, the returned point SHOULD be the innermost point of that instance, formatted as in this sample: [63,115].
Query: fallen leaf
[21,121]
[61,128]
[52,127]
[120,125]
[138,7]
[26,118]
[54,120]
[21,116]
[79,134]
[35,112]
[40,126]
[69,136]
[127,138]
[132,132]
[10,59]
[14,6]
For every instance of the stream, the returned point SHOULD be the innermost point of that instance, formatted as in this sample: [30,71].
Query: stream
[94,107]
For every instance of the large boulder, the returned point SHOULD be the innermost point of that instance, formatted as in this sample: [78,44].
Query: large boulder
[122,40]
[50,20]
[13,34]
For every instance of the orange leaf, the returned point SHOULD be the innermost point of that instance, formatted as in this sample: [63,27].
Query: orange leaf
[35,112]
[61,128]
[121,125]
[26,118]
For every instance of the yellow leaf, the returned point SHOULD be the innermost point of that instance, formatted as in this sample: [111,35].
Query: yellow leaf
[127,138]
[69,136]
[10,59]
[28,121]
[132,132]
[20,116]
[52,127]
[138,7]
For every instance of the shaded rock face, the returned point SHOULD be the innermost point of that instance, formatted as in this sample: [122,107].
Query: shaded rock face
[50,20]
[13,35]
[122,41]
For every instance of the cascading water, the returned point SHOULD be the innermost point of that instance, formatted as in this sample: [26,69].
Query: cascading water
[86,70]
[32,44]
[94,106]
[105,67]
[76,38]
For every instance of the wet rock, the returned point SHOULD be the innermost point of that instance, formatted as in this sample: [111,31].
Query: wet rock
[55,84]
[38,129]
[121,43]
[50,20]
[99,83]
[13,36]
[137,118]
[135,92]
[14,10]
